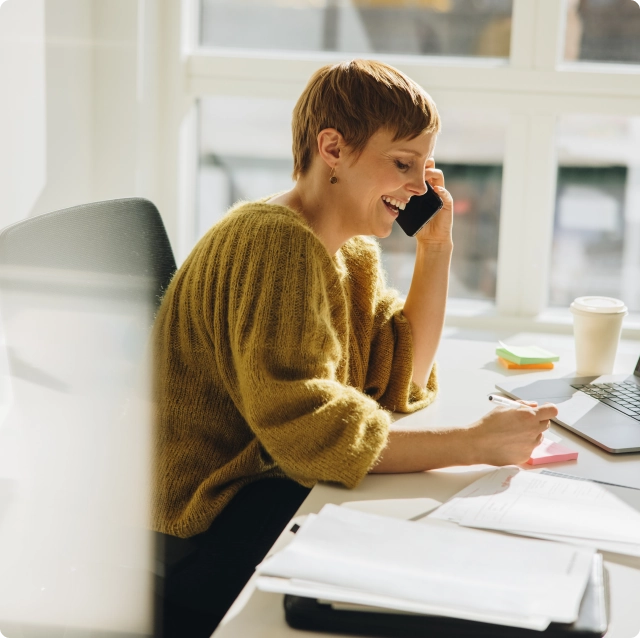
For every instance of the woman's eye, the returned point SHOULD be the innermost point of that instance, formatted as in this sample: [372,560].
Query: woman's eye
[401,166]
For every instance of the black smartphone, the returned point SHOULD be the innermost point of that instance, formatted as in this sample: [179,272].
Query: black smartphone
[419,211]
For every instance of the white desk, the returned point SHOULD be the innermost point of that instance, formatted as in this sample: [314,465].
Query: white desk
[468,372]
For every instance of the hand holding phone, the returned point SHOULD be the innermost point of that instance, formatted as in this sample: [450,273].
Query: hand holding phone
[419,211]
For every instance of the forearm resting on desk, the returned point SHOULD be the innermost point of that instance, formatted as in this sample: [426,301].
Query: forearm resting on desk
[504,436]
[417,451]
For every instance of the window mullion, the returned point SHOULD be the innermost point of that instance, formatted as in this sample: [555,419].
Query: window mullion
[190,26]
[526,217]
[539,209]
[530,168]
[512,225]
[541,174]
[522,35]
[549,34]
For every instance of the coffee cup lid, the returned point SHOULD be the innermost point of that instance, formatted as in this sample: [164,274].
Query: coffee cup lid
[602,305]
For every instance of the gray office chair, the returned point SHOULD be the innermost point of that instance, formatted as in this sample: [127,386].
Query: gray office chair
[122,237]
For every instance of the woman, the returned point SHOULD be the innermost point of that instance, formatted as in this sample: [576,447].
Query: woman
[280,352]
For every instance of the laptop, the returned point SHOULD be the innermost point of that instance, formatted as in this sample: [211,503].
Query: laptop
[604,410]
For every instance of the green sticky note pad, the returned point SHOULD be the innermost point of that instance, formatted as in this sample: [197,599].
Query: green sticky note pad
[526,354]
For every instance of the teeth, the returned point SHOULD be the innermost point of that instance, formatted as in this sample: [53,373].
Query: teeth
[394,202]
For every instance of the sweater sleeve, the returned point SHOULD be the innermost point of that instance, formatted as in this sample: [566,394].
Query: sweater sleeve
[286,353]
[390,368]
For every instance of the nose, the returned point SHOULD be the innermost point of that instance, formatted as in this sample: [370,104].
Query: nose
[417,185]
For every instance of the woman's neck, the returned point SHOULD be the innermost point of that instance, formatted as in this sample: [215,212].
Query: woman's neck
[319,208]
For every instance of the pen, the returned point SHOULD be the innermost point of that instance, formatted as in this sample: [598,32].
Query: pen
[504,401]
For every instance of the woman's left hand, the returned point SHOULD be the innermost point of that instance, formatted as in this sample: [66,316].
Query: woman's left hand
[439,228]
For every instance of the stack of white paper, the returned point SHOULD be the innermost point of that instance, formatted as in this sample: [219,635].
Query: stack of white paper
[532,504]
[349,556]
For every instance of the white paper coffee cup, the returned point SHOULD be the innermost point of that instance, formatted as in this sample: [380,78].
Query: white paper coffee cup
[597,323]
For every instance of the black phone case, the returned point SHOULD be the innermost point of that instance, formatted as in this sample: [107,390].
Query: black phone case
[419,211]
[309,614]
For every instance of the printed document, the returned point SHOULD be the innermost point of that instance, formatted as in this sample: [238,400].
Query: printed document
[532,504]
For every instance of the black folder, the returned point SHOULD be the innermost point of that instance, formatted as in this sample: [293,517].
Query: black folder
[310,614]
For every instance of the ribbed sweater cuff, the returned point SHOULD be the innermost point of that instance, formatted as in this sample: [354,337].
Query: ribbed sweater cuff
[403,395]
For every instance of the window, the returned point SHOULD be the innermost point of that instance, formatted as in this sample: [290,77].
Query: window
[245,153]
[596,242]
[603,31]
[533,96]
[415,27]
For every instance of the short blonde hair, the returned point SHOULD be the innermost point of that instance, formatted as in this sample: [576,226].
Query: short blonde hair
[358,98]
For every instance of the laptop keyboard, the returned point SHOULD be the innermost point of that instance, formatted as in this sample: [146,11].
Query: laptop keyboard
[624,397]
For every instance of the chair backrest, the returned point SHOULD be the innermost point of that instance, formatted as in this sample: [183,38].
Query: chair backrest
[122,237]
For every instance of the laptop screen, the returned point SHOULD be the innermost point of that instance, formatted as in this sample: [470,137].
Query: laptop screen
[636,372]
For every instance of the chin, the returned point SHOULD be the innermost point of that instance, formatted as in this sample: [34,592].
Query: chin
[381,234]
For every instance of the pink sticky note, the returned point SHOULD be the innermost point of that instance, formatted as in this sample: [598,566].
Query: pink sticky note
[551,452]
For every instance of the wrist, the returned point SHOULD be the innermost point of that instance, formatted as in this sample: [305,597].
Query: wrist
[444,246]
[472,445]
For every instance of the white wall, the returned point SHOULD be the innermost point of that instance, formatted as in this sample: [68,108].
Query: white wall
[125,99]
[78,113]
[22,107]
[68,103]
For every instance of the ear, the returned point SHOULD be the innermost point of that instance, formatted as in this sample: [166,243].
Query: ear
[330,145]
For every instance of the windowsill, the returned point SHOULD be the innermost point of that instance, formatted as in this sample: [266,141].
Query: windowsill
[591,66]
[483,315]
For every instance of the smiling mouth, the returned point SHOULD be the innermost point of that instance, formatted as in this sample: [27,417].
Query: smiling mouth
[394,205]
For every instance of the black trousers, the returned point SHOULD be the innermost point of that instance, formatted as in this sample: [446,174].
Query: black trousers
[204,574]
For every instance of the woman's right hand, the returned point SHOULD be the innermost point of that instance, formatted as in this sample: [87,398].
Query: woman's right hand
[507,436]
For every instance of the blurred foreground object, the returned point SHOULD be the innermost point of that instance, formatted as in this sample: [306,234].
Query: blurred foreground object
[78,292]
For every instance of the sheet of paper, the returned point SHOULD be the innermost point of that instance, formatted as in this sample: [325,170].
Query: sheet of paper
[435,564]
[514,500]
[629,549]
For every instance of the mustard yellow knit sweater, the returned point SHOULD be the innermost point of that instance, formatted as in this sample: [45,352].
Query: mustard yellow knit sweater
[273,359]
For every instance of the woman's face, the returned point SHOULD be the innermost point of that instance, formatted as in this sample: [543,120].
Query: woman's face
[386,175]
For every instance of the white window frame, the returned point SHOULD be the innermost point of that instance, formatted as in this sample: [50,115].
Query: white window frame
[535,86]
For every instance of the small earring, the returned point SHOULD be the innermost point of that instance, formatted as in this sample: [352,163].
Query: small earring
[333,179]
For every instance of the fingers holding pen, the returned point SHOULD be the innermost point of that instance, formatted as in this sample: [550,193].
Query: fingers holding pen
[545,413]
[528,421]
[508,434]
[541,416]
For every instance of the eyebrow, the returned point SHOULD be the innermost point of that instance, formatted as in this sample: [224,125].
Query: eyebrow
[409,151]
